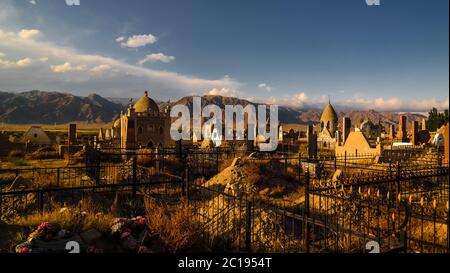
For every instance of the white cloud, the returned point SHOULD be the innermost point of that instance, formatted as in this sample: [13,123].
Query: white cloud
[101,68]
[2,54]
[122,80]
[68,67]
[156,57]
[225,92]
[265,86]
[33,2]
[43,59]
[29,33]
[395,104]
[138,40]
[293,100]
[22,63]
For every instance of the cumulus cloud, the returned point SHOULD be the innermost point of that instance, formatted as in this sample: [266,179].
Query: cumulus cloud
[21,63]
[24,62]
[294,100]
[225,92]
[117,78]
[395,104]
[101,68]
[156,57]
[265,86]
[33,2]
[68,67]
[137,40]
[29,33]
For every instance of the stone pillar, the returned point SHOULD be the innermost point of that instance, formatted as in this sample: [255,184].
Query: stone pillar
[424,124]
[337,136]
[346,127]
[392,132]
[402,134]
[312,142]
[414,133]
[72,134]
[446,144]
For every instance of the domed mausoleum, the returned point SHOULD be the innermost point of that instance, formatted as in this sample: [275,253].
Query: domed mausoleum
[328,126]
[143,125]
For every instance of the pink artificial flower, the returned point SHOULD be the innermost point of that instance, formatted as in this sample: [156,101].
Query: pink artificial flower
[24,250]
[42,227]
[140,220]
[91,249]
[125,235]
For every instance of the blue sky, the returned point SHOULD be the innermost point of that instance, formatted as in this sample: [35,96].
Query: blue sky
[388,57]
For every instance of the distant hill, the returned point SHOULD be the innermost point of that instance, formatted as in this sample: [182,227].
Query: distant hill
[291,115]
[54,107]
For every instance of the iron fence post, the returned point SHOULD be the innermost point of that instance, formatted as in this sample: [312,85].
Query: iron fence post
[97,169]
[404,240]
[306,213]
[57,176]
[217,159]
[134,180]
[299,167]
[335,164]
[41,201]
[345,160]
[248,227]
[398,178]
[186,185]
[285,164]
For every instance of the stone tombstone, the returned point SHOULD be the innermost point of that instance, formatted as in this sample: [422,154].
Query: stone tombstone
[446,145]
[346,127]
[312,142]
[414,133]
[424,124]
[72,133]
[338,137]
[392,132]
[402,134]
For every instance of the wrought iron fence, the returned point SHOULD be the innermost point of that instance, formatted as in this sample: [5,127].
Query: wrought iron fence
[403,208]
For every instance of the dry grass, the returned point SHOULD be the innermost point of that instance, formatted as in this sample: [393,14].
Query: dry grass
[175,226]
[77,219]
[82,127]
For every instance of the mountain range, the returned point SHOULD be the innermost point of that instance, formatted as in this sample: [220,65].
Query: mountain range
[39,107]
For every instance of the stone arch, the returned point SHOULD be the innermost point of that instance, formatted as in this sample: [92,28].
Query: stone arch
[140,130]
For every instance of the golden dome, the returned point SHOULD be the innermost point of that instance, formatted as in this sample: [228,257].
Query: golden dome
[145,105]
[117,124]
[329,119]
[329,114]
